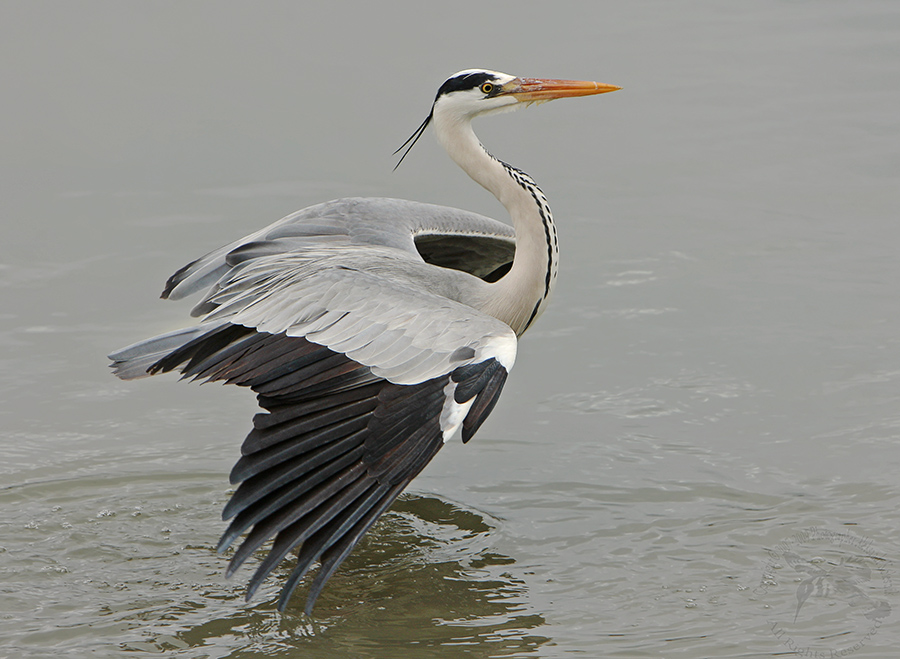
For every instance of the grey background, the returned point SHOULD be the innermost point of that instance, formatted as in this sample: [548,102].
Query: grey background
[717,373]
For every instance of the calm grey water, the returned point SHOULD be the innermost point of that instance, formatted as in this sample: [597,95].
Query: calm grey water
[697,452]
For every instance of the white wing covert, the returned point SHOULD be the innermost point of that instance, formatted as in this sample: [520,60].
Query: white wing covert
[403,333]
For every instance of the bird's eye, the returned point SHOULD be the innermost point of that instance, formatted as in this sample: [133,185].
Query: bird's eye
[487,88]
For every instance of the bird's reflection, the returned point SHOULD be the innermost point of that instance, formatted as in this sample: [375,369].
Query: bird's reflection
[426,576]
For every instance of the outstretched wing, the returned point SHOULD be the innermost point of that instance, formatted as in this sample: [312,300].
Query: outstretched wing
[363,376]
[336,446]
[440,235]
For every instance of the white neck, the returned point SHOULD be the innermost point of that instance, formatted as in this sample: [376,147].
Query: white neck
[519,297]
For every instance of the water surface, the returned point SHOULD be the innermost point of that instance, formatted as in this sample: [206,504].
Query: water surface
[696,454]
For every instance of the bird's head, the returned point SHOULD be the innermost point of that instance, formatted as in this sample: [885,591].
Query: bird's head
[477,92]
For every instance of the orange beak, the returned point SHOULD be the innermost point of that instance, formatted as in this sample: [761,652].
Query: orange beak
[529,90]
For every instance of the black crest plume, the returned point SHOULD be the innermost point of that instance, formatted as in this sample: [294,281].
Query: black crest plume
[462,82]
[412,139]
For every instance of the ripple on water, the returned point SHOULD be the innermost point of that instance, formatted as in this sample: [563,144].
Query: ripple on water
[699,395]
[117,563]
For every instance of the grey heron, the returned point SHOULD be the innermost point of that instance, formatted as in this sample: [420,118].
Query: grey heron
[372,331]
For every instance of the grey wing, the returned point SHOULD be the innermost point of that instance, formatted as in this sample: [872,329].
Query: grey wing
[440,235]
[363,377]
[380,308]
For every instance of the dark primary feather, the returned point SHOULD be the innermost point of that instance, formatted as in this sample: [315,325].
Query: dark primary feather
[333,450]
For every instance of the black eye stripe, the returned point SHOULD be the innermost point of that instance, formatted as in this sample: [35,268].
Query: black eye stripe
[466,81]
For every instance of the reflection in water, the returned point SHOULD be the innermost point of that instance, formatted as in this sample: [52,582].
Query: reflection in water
[113,564]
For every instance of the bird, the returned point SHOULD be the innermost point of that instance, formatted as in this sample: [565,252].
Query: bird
[372,330]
